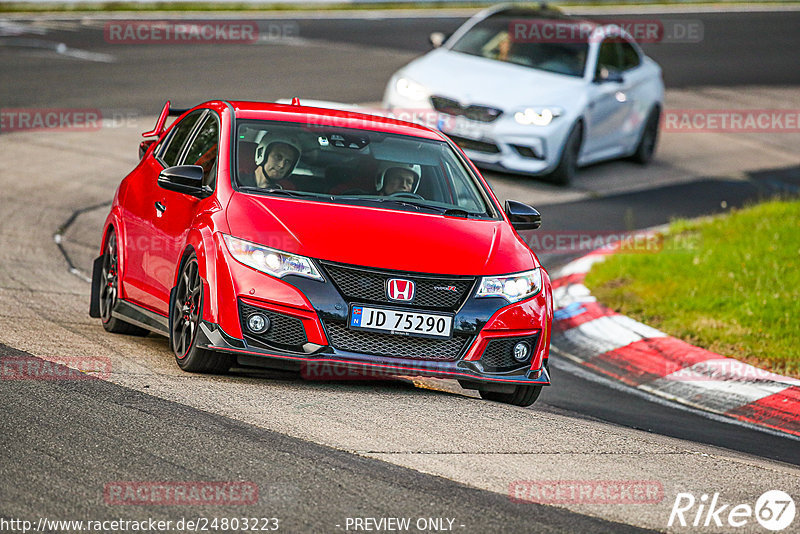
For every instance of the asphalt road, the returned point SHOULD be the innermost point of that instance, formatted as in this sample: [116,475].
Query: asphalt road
[737,49]
[182,430]
[60,462]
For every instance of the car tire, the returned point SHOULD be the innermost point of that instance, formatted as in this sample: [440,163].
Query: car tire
[185,316]
[521,396]
[109,291]
[568,164]
[647,143]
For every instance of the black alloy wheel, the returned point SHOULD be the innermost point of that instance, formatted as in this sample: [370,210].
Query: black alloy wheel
[185,318]
[109,291]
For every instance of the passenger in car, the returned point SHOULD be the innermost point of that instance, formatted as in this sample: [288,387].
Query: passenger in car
[398,179]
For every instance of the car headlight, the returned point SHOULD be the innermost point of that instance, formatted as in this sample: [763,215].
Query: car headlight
[513,287]
[270,261]
[410,89]
[538,116]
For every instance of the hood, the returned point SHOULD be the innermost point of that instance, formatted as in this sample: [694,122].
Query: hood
[477,80]
[379,238]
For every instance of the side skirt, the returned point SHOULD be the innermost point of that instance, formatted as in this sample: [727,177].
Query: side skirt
[135,314]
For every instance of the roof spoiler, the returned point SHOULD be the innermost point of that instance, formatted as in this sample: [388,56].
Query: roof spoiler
[162,118]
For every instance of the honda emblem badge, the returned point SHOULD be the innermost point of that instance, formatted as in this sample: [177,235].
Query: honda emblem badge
[401,290]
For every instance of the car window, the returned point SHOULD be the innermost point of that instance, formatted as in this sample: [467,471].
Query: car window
[525,45]
[608,55]
[630,57]
[203,149]
[364,167]
[180,132]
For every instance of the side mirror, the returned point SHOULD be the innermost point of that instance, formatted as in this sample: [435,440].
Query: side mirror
[187,179]
[144,146]
[522,216]
[437,39]
[606,75]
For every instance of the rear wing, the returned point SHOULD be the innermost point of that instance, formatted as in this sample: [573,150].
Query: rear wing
[162,119]
[159,128]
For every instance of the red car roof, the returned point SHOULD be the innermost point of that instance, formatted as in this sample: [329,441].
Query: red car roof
[330,117]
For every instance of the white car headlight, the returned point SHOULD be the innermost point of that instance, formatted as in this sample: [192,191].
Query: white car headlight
[538,116]
[270,261]
[513,287]
[410,89]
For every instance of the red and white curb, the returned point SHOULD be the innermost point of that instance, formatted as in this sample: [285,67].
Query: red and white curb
[595,337]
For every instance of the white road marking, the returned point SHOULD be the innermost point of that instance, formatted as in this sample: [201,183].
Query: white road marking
[579,266]
[573,365]
[59,48]
[566,295]
[605,334]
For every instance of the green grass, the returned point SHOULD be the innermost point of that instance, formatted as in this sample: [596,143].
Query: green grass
[730,284]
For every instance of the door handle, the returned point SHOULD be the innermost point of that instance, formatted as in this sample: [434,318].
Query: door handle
[160,208]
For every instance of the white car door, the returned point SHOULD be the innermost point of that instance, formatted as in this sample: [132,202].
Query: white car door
[638,94]
[608,104]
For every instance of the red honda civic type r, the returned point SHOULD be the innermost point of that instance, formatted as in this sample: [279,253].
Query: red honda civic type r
[257,234]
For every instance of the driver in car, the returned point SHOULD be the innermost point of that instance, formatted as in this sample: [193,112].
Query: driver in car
[398,178]
[275,157]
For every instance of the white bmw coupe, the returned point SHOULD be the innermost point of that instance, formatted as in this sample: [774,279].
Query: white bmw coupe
[532,91]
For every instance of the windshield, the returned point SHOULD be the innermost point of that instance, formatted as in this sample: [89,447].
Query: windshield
[343,165]
[552,45]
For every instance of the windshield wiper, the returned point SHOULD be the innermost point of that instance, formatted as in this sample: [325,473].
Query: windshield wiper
[276,191]
[447,212]
[457,212]
[398,201]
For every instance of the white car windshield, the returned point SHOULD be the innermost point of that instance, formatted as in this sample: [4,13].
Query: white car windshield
[553,45]
[363,167]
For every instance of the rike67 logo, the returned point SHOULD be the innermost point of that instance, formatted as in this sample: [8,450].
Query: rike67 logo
[774,510]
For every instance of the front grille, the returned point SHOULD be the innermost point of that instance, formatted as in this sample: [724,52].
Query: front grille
[473,112]
[499,354]
[285,332]
[415,348]
[369,286]
[472,144]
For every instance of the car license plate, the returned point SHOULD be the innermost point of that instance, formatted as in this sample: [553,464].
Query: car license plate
[401,322]
[464,127]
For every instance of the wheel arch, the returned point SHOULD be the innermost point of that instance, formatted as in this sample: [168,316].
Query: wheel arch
[113,223]
[201,244]
[580,121]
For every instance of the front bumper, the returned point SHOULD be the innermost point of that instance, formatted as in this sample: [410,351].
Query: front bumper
[502,145]
[313,316]
[330,363]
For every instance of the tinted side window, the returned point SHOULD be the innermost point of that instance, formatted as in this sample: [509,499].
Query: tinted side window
[608,55]
[178,138]
[203,150]
[630,57]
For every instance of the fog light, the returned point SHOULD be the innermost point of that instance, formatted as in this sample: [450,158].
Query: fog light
[522,351]
[258,323]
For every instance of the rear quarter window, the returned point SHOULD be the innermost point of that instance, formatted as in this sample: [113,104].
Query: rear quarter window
[178,138]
